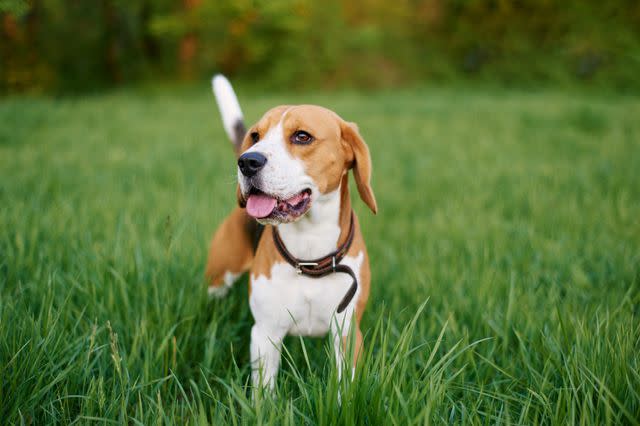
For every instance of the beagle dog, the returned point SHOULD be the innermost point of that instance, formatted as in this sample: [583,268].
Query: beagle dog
[294,229]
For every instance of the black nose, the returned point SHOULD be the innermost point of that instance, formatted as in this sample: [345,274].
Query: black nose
[250,163]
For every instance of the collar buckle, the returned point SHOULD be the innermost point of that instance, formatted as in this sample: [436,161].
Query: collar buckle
[299,266]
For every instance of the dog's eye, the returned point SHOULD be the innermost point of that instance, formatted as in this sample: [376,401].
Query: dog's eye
[255,137]
[301,137]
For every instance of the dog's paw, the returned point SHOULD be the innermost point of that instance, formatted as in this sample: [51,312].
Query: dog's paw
[217,292]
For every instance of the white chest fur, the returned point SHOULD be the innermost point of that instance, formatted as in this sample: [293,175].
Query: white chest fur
[316,233]
[283,302]
[288,303]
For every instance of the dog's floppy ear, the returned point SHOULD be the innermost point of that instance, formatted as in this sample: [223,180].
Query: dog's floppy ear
[360,163]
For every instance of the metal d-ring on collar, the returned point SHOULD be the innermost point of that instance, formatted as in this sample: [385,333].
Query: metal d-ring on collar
[323,266]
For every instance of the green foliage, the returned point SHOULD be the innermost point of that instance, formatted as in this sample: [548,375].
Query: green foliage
[71,45]
[513,215]
[16,8]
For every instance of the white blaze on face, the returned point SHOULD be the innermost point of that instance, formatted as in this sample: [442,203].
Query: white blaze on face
[283,176]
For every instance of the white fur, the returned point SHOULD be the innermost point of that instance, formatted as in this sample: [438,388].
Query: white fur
[288,303]
[220,291]
[316,233]
[292,304]
[227,104]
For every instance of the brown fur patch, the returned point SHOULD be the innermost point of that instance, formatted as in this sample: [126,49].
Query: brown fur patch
[270,119]
[231,248]
[266,254]
[327,157]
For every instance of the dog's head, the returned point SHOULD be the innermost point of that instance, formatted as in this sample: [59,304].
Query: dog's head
[295,154]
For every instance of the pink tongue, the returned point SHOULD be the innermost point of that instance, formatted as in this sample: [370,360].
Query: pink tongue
[260,206]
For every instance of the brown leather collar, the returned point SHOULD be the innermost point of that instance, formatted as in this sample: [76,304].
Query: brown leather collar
[323,266]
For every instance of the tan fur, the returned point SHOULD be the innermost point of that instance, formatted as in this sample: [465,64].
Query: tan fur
[327,157]
[266,254]
[231,248]
[338,147]
[361,164]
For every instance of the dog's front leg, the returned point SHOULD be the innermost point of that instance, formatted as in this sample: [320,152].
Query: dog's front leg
[347,340]
[266,344]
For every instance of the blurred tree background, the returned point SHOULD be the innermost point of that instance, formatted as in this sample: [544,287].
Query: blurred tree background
[81,45]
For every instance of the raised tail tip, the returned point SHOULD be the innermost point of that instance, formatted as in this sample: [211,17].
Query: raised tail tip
[229,107]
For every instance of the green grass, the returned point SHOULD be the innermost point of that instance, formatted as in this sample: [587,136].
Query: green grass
[505,263]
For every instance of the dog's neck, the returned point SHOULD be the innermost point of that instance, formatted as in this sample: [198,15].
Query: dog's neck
[322,228]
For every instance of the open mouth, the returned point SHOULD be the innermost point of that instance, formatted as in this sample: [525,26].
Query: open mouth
[264,206]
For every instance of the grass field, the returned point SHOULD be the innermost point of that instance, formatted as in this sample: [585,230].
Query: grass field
[505,263]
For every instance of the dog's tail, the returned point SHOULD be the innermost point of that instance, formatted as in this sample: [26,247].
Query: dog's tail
[230,111]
